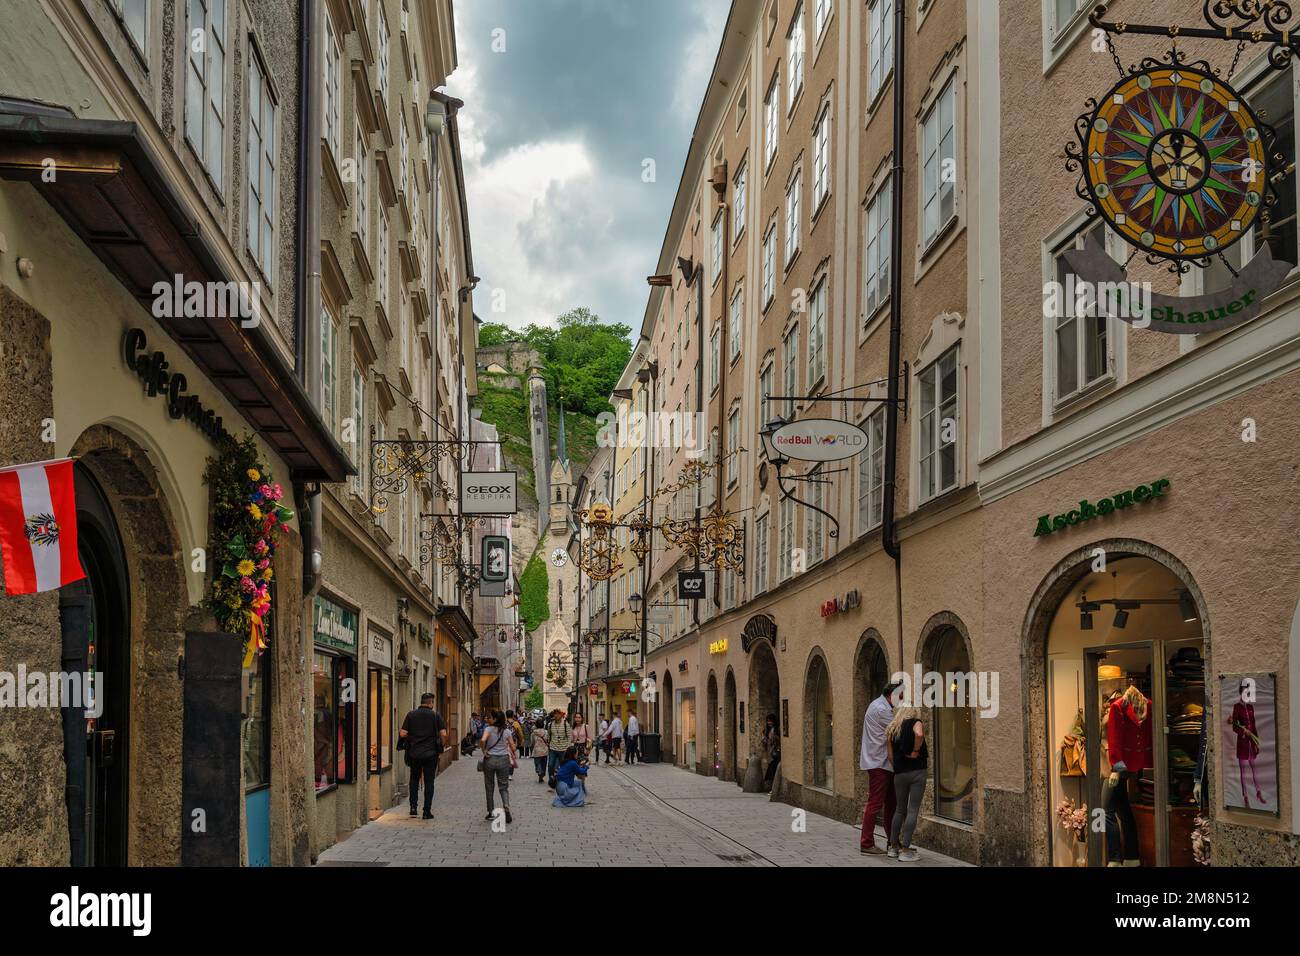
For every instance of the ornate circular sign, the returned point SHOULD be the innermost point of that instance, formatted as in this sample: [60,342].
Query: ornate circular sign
[1176,162]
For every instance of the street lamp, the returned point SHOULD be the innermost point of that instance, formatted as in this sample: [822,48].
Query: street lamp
[634,602]
[435,117]
[775,456]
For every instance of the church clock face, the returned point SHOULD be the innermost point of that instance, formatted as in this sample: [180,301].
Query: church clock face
[559,557]
[1176,162]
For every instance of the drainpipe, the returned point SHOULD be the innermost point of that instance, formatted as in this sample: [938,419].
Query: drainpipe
[890,529]
[308,299]
[719,183]
[696,277]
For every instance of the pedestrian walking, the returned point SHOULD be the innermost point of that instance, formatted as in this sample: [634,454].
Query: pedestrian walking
[771,744]
[874,759]
[615,738]
[581,737]
[602,740]
[518,730]
[422,736]
[909,754]
[559,740]
[539,747]
[568,787]
[632,737]
[498,745]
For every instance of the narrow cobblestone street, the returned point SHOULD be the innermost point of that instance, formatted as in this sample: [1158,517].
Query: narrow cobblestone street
[642,815]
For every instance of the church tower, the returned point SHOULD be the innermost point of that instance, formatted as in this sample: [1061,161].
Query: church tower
[541,442]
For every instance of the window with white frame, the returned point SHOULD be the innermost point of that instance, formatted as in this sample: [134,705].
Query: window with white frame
[205,85]
[785,538]
[815,521]
[403,154]
[381,257]
[821,15]
[817,336]
[358,426]
[263,205]
[1063,12]
[939,426]
[879,250]
[733,446]
[765,389]
[771,120]
[769,266]
[734,323]
[939,164]
[715,358]
[1081,344]
[793,204]
[760,554]
[821,159]
[729,590]
[135,17]
[383,53]
[363,192]
[404,327]
[738,203]
[717,245]
[880,45]
[871,473]
[790,365]
[329,369]
[332,84]
[794,43]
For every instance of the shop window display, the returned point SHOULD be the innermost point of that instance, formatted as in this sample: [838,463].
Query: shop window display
[823,761]
[333,686]
[954,743]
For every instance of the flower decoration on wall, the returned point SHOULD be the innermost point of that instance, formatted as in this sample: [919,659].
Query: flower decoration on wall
[247,521]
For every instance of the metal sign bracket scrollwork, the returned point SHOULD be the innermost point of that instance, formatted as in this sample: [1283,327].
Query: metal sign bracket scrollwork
[1241,21]
[397,463]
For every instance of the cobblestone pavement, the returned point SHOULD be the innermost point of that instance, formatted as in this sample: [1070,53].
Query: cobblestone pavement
[642,815]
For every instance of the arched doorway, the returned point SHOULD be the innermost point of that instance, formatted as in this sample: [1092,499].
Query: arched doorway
[666,717]
[713,751]
[818,722]
[764,697]
[1125,643]
[729,725]
[870,674]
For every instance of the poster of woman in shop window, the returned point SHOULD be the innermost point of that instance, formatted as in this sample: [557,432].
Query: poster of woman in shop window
[1248,739]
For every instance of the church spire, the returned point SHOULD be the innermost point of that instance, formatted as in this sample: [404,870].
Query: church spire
[561,453]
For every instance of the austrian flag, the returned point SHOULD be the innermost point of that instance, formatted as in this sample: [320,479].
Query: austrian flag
[38,527]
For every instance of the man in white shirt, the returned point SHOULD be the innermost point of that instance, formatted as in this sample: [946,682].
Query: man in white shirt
[615,734]
[874,759]
[600,740]
[633,733]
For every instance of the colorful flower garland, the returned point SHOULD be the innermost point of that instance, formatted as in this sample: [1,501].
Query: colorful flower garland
[247,520]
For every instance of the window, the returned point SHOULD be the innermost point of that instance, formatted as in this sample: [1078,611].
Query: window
[1081,342]
[715,352]
[821,14]
[793,201]
[821,159]
[263,205]
[794,43]
[817,336]
[880,46]
[785,538]
[871,473]
[359,442]
[328,370]
[939,426]
[938,165]
[878,249]
[717,246]
[765,389]
[382,258]
[738,204]
[733,446]
[954,739]
[771,124]
[383,54]
[760,555]
[823,760]
[331,84]
[729,590]
[733,324]
[404,329]
[363,191]
[790,360]
[205,85]
[135,17]
[815,521]
[1064,11]
[380,723]
[332,720]
[769,266]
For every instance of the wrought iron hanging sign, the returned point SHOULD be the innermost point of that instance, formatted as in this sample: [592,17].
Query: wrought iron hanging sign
[1177,164]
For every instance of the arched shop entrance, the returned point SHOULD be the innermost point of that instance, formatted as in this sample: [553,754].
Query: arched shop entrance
[759,641]
[819,769]
[1116,656]
[729,724]
[870,674]
[665,698]
[713,750]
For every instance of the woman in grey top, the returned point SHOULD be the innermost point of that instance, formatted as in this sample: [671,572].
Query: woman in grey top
[498,745]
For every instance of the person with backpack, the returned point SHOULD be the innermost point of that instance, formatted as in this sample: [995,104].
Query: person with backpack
[909,754]
[498,744]
[422,736]
[518,730]
[540,748]
[559,740]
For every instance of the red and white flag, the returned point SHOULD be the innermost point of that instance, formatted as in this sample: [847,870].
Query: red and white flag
[38,526]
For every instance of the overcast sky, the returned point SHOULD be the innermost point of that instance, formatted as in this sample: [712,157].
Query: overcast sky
[564,101]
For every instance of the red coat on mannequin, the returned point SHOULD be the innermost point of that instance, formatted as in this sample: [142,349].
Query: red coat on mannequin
[1128,739]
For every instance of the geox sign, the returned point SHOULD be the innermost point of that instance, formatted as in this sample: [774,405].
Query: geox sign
[489,493]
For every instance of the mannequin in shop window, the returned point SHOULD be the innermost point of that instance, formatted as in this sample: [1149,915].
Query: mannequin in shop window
[1128,747]
[1242,722]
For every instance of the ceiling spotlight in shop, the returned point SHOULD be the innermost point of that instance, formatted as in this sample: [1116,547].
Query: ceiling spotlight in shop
[1187,606]
[1086,608]
[1121,611]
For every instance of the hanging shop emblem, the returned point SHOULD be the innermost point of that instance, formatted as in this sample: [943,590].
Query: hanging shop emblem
[489,493]
[819,439]
[1177,164]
